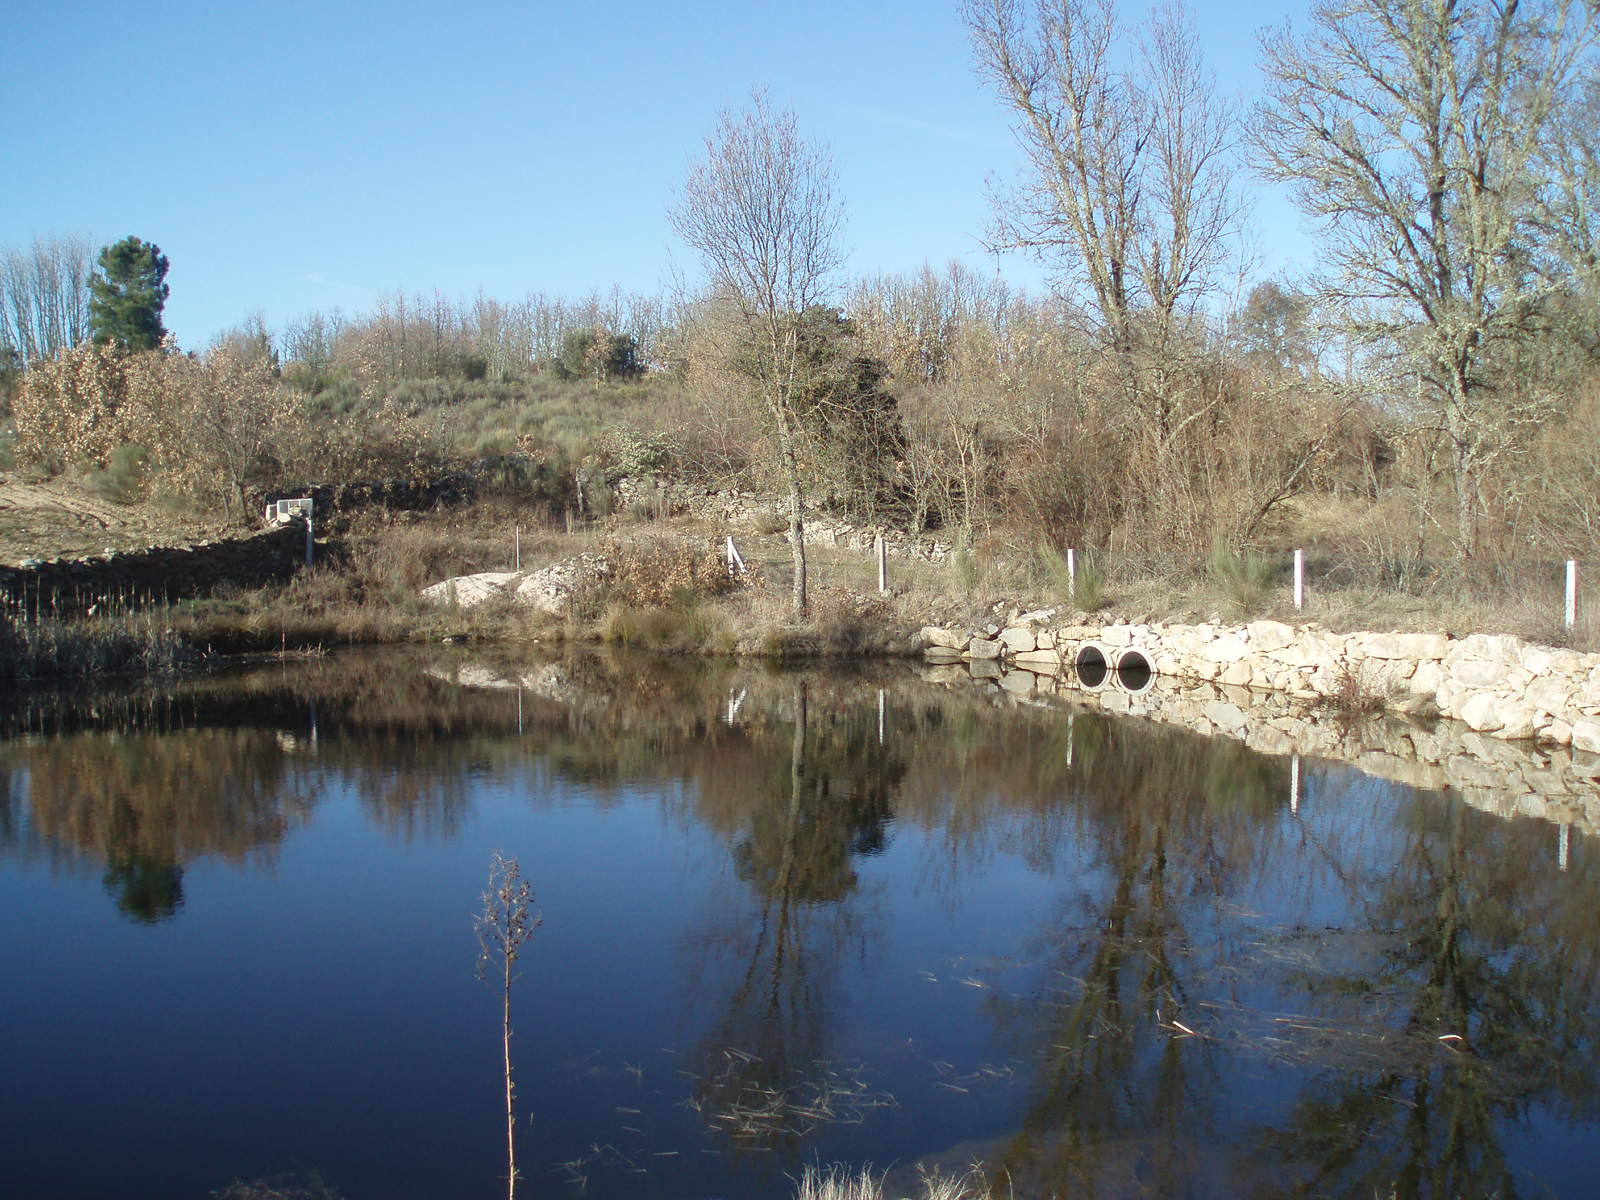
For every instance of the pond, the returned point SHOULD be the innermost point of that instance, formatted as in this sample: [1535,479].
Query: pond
[787,918]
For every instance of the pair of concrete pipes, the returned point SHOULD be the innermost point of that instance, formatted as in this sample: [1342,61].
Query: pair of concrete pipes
[1121,668]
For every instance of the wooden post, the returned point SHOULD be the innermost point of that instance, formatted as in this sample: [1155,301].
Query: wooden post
[516,542]
[309,539]
[1299,579]
[882,549]
[1572,592]
[1072,573]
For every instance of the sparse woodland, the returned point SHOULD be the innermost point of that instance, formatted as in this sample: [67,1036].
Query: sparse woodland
[1427,390]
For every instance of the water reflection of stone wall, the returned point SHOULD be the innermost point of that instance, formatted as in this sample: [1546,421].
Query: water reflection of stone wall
[1505,778]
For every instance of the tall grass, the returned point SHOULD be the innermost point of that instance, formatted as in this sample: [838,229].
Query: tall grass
[839,1182]
[59,647]
[1245,579]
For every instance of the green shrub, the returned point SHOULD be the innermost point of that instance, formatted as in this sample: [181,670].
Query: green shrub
[964,565]
[122,482]
[1246,580]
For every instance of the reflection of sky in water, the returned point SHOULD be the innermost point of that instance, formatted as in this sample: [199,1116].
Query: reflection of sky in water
[726,985]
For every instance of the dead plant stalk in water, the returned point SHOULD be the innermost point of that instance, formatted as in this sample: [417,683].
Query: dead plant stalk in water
[503,926]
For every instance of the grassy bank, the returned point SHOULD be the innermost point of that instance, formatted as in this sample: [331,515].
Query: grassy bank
[670,593]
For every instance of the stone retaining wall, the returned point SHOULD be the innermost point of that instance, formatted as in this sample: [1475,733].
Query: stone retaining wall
[154,575]
[1507,778]
[1496,685]
[752,508]
[1524,738]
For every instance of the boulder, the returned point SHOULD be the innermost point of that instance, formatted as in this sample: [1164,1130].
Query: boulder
[1018,640]
[984,650]
[551,589]
[469,591]
[949,639]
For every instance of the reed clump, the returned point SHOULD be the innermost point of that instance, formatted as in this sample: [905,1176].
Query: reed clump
[839,1182]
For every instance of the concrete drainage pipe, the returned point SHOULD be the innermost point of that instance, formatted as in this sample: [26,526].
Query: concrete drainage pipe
[1133,671]
[1092,666]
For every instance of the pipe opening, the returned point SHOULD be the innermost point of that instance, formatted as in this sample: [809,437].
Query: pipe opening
[1134,672]
[1091,666]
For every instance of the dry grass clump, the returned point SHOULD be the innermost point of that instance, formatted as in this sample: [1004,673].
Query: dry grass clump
[839,1182]
[682,628]
[99,645]
[1353,696]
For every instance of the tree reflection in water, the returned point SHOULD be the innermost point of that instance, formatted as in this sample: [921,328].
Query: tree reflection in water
[1482,973]
[1366,996]
[767,1077]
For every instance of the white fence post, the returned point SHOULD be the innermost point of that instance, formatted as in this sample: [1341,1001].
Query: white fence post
[310,539]
[1299,579]
[1072,572]
[1294,785]
[516,543]
[1572,592]
[882,550]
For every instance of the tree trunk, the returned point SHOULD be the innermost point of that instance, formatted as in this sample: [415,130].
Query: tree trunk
[797,527]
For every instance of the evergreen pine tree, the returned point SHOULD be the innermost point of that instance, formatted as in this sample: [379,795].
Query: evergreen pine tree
[127,295]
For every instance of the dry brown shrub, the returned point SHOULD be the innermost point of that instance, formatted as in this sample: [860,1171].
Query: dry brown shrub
[655,571]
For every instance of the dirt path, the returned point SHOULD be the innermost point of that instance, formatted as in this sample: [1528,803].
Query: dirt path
[52,519]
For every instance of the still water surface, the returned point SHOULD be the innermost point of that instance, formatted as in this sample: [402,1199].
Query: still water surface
[1100,957]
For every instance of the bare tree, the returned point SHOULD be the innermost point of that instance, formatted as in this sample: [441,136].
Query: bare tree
[1127,192]
[503,926]
[1416,131]
[761,211]
[44,296]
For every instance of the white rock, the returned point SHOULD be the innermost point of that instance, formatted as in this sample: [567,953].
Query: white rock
[1018,640]
[983,650]
[950,639]
[1481,712]
[1041,657]
[1230,647]
[1414,646]
[469,591]
[1266,636]
[1487,673]
[1586,736]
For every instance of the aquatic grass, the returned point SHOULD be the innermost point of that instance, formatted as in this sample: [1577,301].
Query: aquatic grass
[839,1182]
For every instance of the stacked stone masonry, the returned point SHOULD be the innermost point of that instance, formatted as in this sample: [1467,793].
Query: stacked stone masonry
[1524,734]
[131,579]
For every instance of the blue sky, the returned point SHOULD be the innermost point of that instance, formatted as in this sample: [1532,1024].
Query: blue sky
[292,155]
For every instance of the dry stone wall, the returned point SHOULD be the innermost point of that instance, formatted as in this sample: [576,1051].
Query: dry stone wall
[154,575]
[1523,738]
[735,508]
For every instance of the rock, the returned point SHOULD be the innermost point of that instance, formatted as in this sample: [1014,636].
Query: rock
[1041,658]
[942,654]
[1487,673]
[1481,712]
[983,649]
[1018,640]
[469,591]
[950,639]
[1586,736]
[1037,617]
[551,589]
[1418,647]
[984,668]
[1266,636]
[1230,647]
